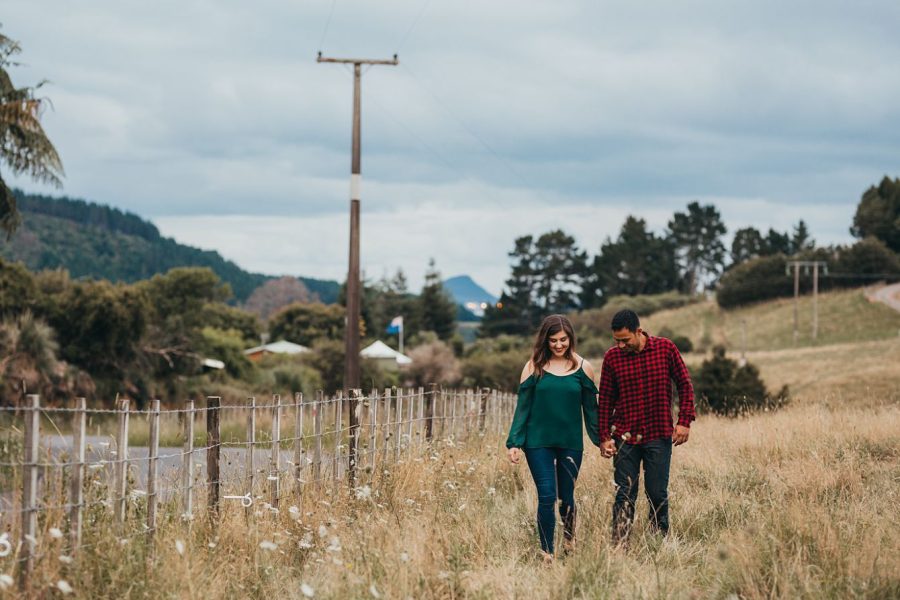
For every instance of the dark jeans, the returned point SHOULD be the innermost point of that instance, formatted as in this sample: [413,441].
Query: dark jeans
[656,456]
[554,471]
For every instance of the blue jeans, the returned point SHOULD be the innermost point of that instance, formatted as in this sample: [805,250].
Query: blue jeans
[656,456]
[554,471]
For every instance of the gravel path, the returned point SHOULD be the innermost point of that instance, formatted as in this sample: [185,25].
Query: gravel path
[888,294]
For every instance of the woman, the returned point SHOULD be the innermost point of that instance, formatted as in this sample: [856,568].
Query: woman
[556,389]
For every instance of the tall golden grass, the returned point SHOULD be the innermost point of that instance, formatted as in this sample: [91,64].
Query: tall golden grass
[799,503]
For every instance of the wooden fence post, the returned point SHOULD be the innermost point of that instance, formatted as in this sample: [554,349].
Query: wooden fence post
[411,412]
[399,415]
[274,477]
[121,501]
[373,430]
[299,455]
[251,445]
[76,483]
[386,424]
[317,435]
[429,412]
[213,448]
[338,436]
[152,468]
[482,410]
[454,394]
[187,462]
[354,407]
[29,488]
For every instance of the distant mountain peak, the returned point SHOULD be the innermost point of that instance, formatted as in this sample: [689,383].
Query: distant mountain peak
[469,294]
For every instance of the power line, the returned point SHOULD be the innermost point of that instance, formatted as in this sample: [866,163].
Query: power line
[413,26]
[469,130]
[327,24]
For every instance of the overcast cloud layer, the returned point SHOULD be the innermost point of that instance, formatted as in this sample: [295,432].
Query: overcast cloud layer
[213,119]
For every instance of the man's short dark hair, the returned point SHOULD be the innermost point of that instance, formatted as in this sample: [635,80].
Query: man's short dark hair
[626,319]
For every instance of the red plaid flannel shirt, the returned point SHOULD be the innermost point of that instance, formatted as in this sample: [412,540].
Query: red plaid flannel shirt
[636,392]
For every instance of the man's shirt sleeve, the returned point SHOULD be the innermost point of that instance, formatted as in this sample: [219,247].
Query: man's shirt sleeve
[679,373]
[606,400]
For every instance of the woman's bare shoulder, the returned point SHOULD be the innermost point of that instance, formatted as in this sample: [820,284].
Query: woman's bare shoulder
[587,366]
[527,370]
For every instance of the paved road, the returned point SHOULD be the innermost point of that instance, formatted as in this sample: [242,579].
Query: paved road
[888,294]
[100,456]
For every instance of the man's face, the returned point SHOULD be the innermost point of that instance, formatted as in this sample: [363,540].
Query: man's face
[629,341]
[559,343]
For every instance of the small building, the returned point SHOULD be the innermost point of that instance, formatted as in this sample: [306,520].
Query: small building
[280,347]
[386,357]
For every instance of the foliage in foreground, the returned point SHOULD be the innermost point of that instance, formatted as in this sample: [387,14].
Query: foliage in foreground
[793,504]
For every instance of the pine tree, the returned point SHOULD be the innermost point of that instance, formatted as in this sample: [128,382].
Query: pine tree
[438,308]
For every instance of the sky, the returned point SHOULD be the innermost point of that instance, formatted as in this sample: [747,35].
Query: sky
[213,120]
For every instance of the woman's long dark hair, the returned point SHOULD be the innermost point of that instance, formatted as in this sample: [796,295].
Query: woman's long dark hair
[541,354]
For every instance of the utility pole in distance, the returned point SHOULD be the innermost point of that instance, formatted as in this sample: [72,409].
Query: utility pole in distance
[351,337]
[806,264]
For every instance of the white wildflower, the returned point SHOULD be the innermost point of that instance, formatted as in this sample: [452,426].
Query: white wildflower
[179,547]
[491,491]
[337,560]
[5,545]
[56,533]
[335,545]
[462,507]
[66,560]
[63,586]
[306,541]
[374,591]
[307,590]
[211,544]
[363,493]
[267,545]
[404,557]
[5,581]
[295,513]
[323,531]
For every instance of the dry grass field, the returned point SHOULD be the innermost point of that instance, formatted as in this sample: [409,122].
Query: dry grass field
[797,503]
[800,503]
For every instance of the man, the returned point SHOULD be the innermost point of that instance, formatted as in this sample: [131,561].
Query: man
[635,405]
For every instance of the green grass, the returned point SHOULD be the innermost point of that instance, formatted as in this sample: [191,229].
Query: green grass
[844,316]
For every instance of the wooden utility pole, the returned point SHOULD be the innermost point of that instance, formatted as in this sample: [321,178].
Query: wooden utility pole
[351,365]
[806,264]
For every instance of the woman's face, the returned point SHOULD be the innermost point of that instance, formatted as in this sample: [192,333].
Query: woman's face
[559,343]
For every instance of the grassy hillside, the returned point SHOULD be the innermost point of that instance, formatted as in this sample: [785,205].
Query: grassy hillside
[92,240]
[844,316]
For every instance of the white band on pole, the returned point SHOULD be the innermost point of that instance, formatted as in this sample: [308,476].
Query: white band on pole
[355,181]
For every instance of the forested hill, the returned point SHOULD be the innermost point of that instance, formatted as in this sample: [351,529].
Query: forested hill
[92,240]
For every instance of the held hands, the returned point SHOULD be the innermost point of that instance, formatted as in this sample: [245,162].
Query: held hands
[514,455]
[608,448]
[681,435]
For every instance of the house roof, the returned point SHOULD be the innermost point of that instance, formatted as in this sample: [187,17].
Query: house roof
[280,347]
[379,349]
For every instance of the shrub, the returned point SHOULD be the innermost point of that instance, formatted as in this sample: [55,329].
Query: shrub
[727,388]
[498,370]
[758,279]
[433,362]
[682,342]
[227,346]
[595,322]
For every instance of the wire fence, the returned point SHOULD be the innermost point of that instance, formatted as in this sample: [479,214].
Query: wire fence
[61,463]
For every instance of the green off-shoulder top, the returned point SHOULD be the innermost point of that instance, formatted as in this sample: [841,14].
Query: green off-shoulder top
[549,412]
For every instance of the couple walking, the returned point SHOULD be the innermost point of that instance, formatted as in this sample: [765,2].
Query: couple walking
[629,418]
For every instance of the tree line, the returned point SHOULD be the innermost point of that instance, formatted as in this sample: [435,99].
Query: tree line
[551,274]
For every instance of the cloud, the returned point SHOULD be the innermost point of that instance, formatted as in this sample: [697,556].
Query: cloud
[193,109]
